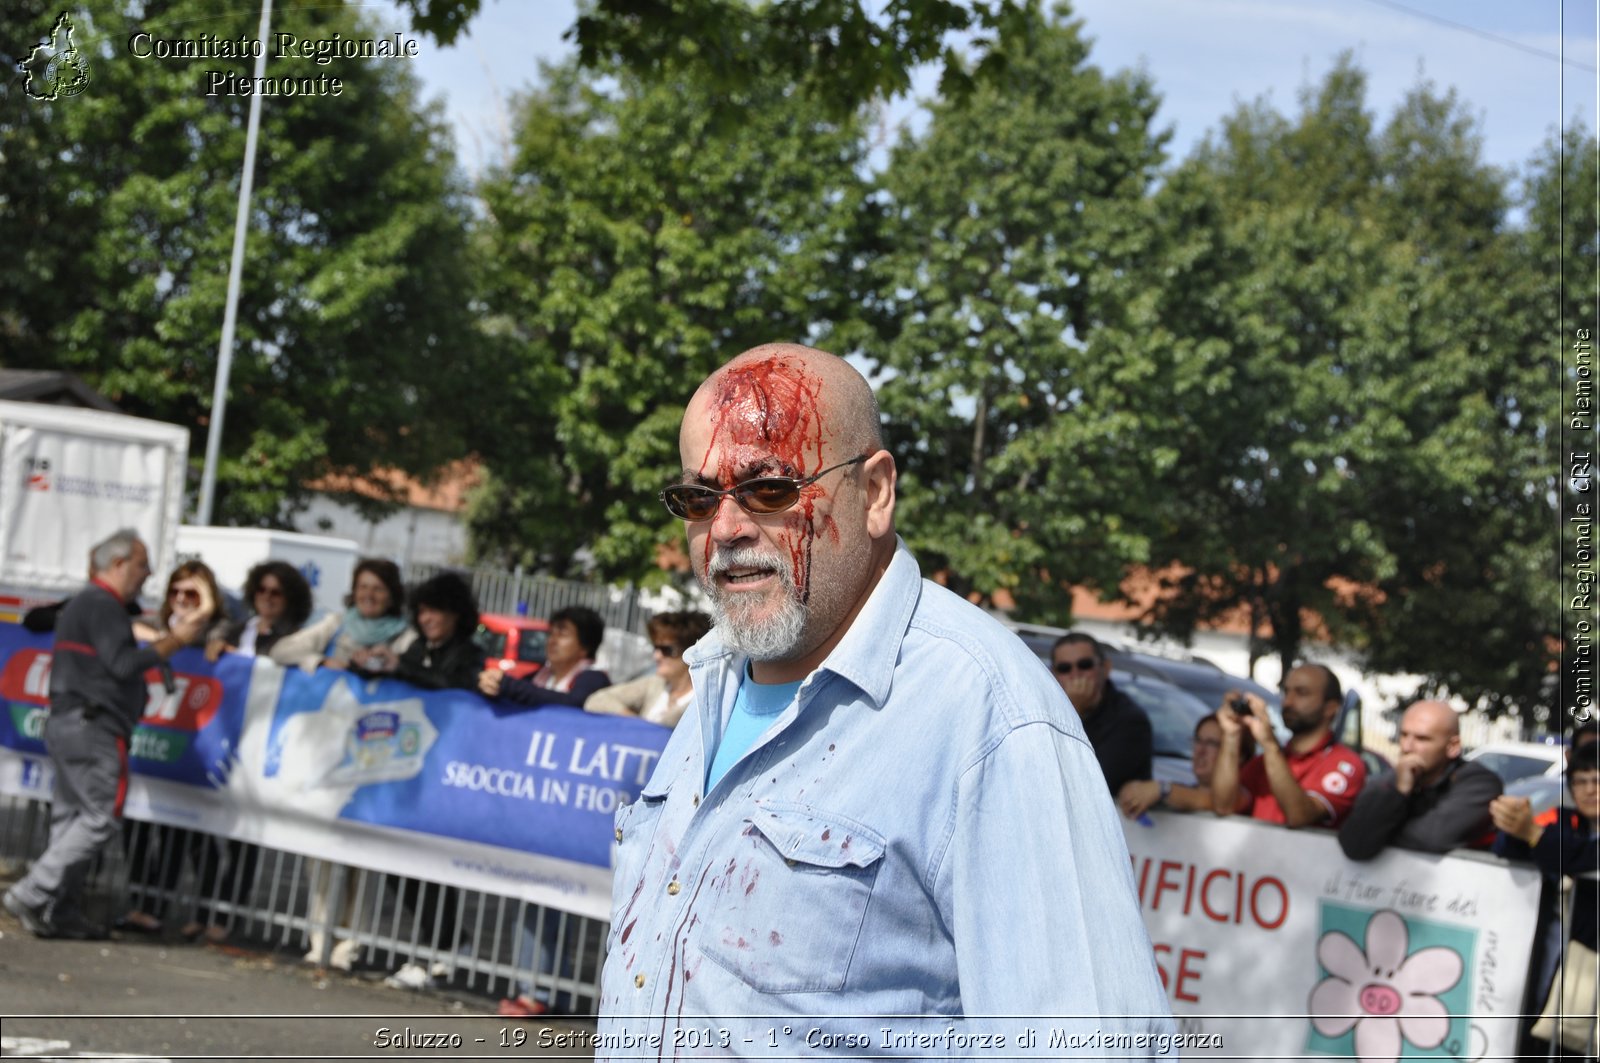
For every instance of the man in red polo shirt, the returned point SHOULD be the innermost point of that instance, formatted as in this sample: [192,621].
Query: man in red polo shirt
[1313,780]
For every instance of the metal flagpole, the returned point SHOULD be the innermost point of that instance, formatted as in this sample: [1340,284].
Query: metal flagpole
[219,398]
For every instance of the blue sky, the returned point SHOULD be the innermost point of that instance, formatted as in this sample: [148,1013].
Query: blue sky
[1206,57]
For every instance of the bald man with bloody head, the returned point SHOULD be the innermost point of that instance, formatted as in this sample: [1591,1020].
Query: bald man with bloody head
[879,805]
[1435,802]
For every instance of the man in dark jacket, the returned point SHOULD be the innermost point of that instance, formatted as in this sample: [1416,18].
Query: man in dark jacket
[97,695]
[1435,802]
[1118,729]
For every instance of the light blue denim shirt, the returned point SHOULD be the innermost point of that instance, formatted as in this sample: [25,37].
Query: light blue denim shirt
[924,832]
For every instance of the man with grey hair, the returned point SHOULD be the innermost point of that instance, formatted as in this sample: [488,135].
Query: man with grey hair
[97,694]
[878,806]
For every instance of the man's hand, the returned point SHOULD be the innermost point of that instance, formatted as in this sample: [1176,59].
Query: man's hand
[489,682]
[1406,772]
[1259,723]
[1080,688]
[1138,796]
[1514,816]
[187,628]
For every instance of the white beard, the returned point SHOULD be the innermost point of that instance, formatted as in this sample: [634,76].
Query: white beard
[772,638]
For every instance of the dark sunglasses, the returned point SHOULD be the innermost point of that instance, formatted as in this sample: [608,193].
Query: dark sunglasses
[760,496]
[1082,664]
[666,650]
[184,594]
[270,592]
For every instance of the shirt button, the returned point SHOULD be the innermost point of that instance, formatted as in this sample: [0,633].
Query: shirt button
[789,862]
[696,800]
[619,834]
[673,887]
[638,981]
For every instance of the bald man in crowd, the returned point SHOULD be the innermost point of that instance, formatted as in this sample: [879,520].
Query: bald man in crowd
[877,804]
[1435,802]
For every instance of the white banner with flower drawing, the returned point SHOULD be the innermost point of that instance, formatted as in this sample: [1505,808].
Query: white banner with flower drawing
[1273,940]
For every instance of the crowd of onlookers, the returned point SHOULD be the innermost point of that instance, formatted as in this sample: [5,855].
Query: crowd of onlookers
[424,636]
[1435,801]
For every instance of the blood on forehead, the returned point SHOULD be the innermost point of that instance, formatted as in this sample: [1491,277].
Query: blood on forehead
[771,405]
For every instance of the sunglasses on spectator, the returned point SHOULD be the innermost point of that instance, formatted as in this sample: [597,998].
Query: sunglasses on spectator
[184,594]
[271,592]
[1082,664]
[665,649]
[758,497]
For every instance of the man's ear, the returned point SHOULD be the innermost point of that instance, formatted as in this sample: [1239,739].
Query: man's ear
[877,482]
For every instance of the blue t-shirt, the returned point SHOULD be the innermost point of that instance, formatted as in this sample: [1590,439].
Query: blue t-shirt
[754,709]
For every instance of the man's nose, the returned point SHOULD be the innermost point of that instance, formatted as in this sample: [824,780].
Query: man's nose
[730,522]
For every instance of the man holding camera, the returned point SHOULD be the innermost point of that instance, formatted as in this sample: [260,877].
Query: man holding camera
[1311,781]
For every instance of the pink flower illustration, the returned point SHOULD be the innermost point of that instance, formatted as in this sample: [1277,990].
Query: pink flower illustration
[1383,993]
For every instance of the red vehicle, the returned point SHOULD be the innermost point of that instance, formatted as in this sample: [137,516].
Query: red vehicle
[513,644]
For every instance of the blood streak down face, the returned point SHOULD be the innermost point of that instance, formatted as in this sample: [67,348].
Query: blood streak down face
[766,421]
[780,583]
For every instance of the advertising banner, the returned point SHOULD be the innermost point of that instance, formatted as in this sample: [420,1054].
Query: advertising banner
[1267,939]
[1273,940]
[436,784]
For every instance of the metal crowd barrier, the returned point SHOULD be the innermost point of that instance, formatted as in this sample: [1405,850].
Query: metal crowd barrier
[271,906]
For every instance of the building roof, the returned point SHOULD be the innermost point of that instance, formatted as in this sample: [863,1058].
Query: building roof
[52,387]
[444,490]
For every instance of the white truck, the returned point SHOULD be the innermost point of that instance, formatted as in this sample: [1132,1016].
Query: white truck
[68,478]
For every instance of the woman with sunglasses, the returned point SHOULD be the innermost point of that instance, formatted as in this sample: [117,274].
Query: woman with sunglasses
[156,853]
[568,676]
[661,696]
[279,599]
[1140,795]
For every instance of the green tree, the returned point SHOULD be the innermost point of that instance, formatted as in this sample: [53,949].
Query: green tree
[355,344]
[1348,433]
[1009,219]
[840,53]
[638,245]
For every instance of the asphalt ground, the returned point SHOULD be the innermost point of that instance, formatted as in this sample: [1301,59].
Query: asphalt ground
[153,998]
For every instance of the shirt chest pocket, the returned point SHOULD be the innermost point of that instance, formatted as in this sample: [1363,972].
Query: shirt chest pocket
[791,898]
[634,832]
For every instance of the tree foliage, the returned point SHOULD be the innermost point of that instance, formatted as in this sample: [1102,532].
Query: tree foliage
[1008,218]
[840,53]
[638,245]
[355,345]
[1337,346]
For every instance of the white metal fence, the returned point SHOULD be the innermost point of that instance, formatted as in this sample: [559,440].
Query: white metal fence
[267,898]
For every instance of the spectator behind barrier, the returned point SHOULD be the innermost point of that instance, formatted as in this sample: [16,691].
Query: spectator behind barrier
[280,603]
[568,676]
[661,696]
[445,614]
[1570,846]
[1583,734]
[1435,802]
[1117,729]
[1140,795]
[156,853]
[370,634]
[1311,781]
